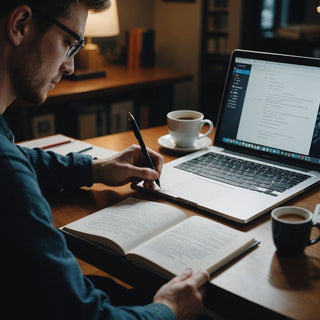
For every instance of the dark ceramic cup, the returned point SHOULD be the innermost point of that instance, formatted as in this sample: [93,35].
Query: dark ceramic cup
[291,230]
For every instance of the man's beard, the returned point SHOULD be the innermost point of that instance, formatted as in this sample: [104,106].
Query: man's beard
[25,78]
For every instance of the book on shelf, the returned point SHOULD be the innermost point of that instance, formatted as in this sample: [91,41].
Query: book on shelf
[217,22]
[119,115]
[212,4]
[140,47]
[43,125]
[218,45]
[144,116]
[299,31]
[161,237]
[90,120]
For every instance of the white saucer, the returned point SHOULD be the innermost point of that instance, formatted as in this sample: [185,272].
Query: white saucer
[166,142]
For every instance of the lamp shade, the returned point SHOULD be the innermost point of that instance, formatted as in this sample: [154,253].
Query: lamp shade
[103,24]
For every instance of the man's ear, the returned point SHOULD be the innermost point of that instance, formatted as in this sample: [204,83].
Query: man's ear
[19,23]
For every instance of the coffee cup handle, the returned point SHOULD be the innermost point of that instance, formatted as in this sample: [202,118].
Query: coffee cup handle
[313,241]
[209,122]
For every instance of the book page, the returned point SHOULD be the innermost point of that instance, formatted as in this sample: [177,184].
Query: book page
[197,242]
[127,223]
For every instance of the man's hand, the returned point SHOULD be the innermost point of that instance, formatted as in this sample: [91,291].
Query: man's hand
[127,166]
[184,294]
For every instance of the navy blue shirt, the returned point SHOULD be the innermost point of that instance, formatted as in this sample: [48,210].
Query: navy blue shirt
[40,277]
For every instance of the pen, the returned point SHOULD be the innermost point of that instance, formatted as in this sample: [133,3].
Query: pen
[55,144]
[84,150]
[145,152]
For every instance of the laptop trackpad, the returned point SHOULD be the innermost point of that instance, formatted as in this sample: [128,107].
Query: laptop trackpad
[200,191]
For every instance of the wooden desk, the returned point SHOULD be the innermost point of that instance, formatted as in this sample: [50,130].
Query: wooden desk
[261,285]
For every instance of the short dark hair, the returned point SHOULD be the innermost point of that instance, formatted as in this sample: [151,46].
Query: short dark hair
[45,10]
[55,8]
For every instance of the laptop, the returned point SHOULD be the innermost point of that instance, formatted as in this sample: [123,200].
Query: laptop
[267,143]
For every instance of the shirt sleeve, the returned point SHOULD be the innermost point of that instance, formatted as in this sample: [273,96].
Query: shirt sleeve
[55,172]
[41,279]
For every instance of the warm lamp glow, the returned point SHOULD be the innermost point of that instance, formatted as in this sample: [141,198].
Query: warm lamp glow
[104,24]
[318,9]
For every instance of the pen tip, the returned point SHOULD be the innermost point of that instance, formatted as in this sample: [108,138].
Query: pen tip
[130,116]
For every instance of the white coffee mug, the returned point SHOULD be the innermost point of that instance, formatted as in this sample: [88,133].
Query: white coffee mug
[185,127]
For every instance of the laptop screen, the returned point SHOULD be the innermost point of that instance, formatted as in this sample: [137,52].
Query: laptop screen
[271,105]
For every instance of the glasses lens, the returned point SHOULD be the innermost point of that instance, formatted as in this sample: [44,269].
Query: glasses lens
[74,50]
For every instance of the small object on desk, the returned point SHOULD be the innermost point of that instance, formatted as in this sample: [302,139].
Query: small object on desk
[84,150]
[166,142]
[145,152]
[59,143]
[85,74]
[291,230]
[316,214]
[55,144]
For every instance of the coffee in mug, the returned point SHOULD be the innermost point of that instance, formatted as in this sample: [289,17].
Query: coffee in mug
[185,127]
[291,230]
[186,118]
[292,217]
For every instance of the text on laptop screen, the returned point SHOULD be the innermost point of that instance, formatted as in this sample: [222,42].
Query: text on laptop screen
[273,107]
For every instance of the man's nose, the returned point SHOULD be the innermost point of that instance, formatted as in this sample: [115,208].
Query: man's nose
[67,67]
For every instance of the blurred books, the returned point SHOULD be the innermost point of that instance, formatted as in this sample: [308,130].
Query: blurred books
[119,115]
[140,47]
[299,31]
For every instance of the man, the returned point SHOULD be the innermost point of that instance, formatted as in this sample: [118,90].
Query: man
[41,279]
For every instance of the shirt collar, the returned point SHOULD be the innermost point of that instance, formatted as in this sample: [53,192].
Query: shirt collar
[5,131]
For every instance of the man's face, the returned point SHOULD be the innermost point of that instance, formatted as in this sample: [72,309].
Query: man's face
[38,65]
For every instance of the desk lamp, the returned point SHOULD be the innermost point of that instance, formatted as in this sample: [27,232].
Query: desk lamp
[104,24]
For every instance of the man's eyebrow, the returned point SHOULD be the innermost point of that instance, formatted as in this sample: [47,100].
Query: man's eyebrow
[67,29]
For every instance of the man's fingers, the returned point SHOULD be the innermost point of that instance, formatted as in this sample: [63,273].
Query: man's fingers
[200,278]
[187,273]
[142,173]
[203,291]
[157,160]
[149,184]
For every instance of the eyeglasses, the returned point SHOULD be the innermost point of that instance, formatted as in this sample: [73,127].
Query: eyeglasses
[73,48]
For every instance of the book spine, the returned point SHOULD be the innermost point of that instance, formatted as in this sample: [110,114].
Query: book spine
[140,47]
[119,115]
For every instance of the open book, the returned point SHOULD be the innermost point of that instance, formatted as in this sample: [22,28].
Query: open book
[161,237]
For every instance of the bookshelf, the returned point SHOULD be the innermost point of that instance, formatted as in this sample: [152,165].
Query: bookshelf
[96,107]
[221,34]
[261,32]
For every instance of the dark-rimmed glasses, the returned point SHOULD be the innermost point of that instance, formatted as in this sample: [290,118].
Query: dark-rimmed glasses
[73,48]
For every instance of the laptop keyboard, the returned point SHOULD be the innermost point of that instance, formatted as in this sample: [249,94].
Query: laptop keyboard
[243,173]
